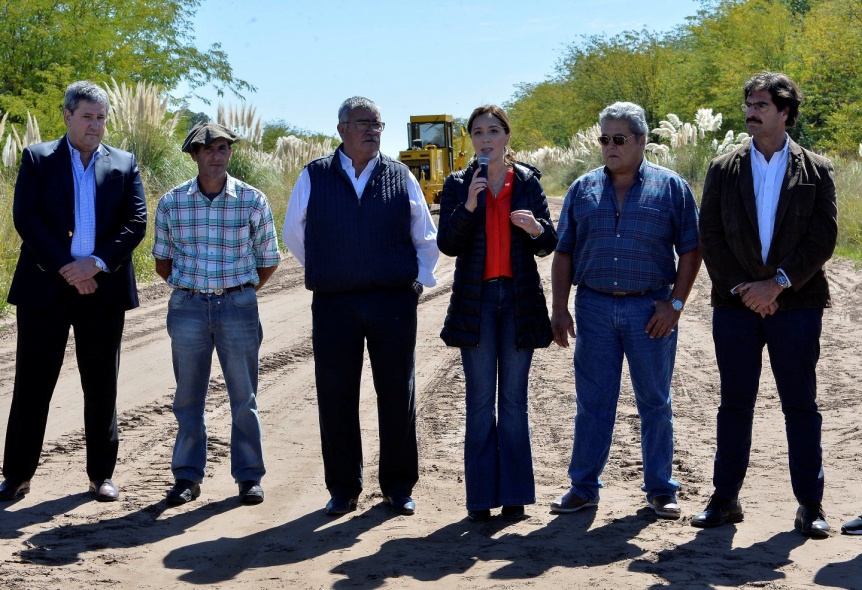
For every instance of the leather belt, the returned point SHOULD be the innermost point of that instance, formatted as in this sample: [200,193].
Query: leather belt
[217,291]
[498,279]
[623,293]
[628,293]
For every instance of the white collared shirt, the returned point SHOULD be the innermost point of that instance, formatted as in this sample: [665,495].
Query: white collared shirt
[768,178]
[422,230]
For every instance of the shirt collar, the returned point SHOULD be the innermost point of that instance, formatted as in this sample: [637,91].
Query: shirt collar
[783,151]
[638,175]
[77,154]
[229,187]
[346,161]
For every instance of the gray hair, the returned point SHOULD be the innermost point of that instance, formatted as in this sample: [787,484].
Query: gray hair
[84,90]
[626,111]
[353,103]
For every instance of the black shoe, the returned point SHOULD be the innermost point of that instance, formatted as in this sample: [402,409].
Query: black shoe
[12,490]
[479,515]
[811,521]
[513,513]
[184,490]
[338,505]
[852,527]
[403,505]
[105,490]
[250,492]
[718,512]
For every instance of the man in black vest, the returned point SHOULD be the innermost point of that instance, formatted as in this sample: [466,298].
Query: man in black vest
[358,223]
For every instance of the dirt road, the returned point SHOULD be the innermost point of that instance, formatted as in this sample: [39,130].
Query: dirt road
[57,537]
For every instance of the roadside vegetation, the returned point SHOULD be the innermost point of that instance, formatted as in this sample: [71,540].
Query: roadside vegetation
[688,80]
[141,122]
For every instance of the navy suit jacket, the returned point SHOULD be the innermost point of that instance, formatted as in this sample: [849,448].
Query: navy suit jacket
[44,216]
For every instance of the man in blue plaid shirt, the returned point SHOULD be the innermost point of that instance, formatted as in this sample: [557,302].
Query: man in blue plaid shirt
[622,227]
[216,246]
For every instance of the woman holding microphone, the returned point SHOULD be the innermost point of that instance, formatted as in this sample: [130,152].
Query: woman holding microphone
[494,218]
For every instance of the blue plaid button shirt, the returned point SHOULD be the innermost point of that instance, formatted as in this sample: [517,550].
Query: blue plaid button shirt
[633,249]
[219,244]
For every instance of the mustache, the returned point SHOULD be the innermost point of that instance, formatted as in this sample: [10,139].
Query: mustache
[753,120]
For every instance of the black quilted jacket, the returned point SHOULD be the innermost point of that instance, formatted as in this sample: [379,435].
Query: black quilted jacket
[462,234]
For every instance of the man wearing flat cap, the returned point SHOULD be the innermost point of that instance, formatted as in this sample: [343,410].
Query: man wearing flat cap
[216,245]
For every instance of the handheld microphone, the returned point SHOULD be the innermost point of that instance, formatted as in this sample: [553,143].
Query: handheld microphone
[483,170]
[483,166]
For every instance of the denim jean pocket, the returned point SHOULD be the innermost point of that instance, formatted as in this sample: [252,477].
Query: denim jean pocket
[246,297]
[178,299]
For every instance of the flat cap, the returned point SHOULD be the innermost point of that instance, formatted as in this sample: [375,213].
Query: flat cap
[206,133]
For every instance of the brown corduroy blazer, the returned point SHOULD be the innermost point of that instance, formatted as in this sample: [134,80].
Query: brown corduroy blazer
[806,228]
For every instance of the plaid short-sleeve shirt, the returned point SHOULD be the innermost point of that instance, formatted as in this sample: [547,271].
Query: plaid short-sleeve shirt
[633,249]
[215,244]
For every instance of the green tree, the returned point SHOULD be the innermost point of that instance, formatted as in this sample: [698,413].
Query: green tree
[542,114]
[45,44]
[829,73]
[635,66]
[272,130]
[725,44]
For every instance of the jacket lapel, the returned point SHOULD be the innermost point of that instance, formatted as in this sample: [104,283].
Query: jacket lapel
[791,180]
[63,166]
[102,169]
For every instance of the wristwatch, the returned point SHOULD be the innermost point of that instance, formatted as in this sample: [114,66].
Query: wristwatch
[782,280]
[676,304]
[418,287]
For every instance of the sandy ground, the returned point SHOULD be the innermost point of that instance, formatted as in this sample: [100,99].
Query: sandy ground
[58,537]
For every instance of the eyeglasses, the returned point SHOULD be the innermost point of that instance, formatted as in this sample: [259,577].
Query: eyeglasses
[617,139]
[363,126]
[760,107]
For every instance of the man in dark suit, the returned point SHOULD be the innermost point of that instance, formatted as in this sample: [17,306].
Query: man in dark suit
[79,208]
[768,224]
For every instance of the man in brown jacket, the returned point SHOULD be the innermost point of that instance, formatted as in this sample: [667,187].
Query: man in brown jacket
[768,224]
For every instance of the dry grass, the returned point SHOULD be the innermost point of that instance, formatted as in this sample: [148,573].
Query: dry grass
[688,151]
[243,120]
[14,143]
[139,106]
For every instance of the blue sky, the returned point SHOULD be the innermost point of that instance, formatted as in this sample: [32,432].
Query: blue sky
[440,56]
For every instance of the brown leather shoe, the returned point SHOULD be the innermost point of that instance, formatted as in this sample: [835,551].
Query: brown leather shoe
[13,490]
[105,490]
[666,507]
[571,502]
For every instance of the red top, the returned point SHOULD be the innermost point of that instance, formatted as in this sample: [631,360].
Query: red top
[498,231]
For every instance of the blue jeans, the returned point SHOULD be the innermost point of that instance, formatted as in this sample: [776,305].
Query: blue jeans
[792,338]
[609,328]
[498,461]
[230,324]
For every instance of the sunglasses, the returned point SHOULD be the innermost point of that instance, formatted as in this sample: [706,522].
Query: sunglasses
[617,139]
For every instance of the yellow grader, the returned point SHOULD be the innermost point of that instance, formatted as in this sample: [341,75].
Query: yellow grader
[432,156]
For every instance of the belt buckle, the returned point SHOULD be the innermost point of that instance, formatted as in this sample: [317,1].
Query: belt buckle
[218,292]
[619,293]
